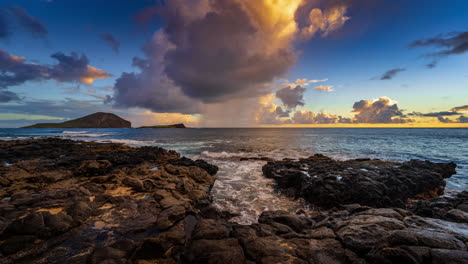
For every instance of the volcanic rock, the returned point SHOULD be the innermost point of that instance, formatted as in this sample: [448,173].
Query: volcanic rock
[326,182]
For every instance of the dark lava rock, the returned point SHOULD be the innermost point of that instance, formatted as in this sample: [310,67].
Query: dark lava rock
[66,201]
[327,182]
[452,208]
[211,169]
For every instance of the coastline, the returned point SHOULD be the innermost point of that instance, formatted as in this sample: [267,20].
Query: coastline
[67,201]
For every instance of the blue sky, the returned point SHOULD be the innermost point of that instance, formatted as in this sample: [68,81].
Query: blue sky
[373,41]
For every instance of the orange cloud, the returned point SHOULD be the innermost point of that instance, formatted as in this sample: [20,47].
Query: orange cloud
[93,73]
[324,88]
[148,118]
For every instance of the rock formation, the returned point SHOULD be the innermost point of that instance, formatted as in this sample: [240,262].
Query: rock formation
[323,181]
[66,201]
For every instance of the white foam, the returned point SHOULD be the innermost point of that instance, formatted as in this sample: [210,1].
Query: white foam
[241,188]
[218,155]
[131,142]
[92,135]
[74,132]
[14,138]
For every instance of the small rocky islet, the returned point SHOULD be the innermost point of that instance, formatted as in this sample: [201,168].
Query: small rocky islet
[65,201]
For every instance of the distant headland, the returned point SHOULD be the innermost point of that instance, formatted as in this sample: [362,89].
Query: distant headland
[166,126]
[99,120]
[96,120]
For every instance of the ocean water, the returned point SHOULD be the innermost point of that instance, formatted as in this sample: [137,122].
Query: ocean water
[241,188]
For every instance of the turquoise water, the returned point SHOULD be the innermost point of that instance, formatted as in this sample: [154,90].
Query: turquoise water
[240,186]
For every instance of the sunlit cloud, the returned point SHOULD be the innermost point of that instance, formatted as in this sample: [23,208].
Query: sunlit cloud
[324,88]
[214,53]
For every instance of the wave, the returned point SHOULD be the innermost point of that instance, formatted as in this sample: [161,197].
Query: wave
[131,142]
[74,132]
[85,135]
[221,155]
[14,138]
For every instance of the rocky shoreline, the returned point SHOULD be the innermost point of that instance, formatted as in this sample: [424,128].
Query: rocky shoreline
[66,201]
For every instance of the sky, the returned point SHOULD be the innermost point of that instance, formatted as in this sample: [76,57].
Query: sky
[236,63]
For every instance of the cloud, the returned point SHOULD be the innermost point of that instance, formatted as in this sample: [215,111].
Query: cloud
[444,120]
[448,44]
[441,115]
[111,41]
[281,113]
[28,22]
[463,119]
[14,70]
[391,73]
[381,110]
[324,88]
[291,97]
[308,117]
[460,108]
[151,88]
[7,96]
[305,82]
[325,21]
[214,52]
[437,114]
[150,118]
[75,68]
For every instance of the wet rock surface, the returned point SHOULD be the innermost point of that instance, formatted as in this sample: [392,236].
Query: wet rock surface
[65,201]
[325,182]
[352,234]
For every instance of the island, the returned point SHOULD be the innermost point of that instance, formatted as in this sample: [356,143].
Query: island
[166,126]
[96,120]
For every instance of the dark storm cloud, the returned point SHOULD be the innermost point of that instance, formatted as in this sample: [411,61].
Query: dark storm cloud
[14,70]
[281,113]
[151,88]
[111,41]
[391,73]
[291,97]
[444,120]
[30,23]
[382,110]
[449,44]
[463,119]
[441,115]
[218,51]
[460,108]
[308,117]
[7,96]
[435,114]
[213,64]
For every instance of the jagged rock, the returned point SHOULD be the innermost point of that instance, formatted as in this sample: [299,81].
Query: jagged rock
[446,208]
[327,182]
[211,169]
[84,202]
[66,201]
[227,251]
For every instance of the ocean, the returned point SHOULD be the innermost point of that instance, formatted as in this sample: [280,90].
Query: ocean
[240,187]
